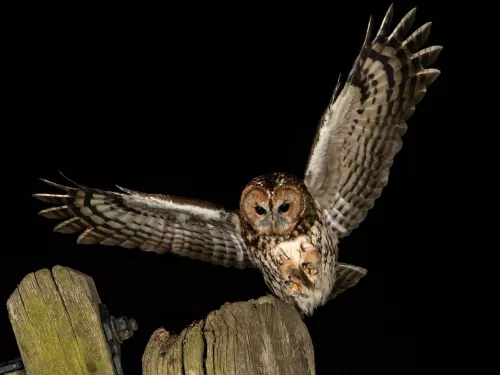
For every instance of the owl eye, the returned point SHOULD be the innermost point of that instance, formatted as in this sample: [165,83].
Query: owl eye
[259,210]
[284,208]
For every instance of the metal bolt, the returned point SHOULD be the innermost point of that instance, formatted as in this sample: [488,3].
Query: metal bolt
[124,327]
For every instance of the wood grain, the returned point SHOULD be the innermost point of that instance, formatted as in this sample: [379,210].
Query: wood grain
[264,336]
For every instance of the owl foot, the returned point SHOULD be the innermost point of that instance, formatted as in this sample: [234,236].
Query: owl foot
[311,261]
[295,287]
[310,269]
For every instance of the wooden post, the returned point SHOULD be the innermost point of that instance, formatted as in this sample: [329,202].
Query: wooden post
[57,323]
[264,336]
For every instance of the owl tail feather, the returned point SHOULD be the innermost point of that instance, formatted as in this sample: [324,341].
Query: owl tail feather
[347,277]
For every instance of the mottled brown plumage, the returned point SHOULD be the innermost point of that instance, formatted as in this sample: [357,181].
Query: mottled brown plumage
[286,227]
[285,233]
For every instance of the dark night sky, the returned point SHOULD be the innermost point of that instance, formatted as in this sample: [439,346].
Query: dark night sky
[198,110]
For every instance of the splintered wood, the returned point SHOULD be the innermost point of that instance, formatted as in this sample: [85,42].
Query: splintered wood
[56,321]
[264,336]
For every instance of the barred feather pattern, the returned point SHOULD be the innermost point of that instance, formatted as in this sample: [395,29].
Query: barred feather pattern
[150,222]
[347,276]
[361,130]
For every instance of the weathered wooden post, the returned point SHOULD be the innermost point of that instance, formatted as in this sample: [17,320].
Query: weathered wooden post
[62,327]
[264,336]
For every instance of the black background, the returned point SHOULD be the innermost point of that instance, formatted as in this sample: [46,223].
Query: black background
[165,102]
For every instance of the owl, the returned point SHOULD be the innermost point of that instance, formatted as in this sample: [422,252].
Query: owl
[287,227]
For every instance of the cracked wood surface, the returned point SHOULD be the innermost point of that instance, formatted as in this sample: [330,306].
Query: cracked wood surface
[258,337]
[56,321]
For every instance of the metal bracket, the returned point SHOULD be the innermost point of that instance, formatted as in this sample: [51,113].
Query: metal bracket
[11,366]
[116,331]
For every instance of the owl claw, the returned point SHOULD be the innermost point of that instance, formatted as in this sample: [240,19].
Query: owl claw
[310,269]
[296,286]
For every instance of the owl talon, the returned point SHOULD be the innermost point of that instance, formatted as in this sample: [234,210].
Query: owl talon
[295,286]
[310,269]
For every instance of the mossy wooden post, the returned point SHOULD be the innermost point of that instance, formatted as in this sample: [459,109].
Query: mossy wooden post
[57,323]
[264,336]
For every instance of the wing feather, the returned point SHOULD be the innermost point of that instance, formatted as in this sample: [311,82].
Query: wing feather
[347,276]
[150,222]
[361,131]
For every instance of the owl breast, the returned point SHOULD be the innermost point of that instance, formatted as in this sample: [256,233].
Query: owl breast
[300,269]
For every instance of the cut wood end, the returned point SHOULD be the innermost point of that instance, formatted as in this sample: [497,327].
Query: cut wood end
[239,327]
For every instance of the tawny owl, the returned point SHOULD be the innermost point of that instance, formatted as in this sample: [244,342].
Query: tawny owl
[287,227]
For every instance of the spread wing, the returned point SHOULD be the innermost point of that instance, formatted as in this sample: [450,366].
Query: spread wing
[360,132]
[151,222]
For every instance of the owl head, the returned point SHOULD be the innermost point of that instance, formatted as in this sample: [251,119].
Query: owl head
[275,204]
